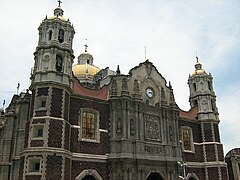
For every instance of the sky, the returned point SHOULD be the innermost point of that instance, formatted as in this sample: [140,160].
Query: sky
[117,32]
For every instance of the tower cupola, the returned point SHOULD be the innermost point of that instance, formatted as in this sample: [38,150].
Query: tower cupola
[202,94]
[54,53]
[84,70]
[198,68]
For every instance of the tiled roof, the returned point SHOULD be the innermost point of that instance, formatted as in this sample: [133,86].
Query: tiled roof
[189,115]
[93,93]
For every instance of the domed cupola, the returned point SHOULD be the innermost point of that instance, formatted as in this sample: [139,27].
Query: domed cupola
[58,14]
[198,69]
[84,70]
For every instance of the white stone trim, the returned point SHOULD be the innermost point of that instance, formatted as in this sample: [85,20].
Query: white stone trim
[90,156]
[86,172]
[206,143]
[103,130]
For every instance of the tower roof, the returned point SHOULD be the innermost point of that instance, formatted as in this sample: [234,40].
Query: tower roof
[198,69]
[58,13]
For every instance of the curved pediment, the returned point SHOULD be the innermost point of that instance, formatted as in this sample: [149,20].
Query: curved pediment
[143,82]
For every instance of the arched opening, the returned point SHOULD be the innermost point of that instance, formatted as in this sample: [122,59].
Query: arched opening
[194,87]
[61,35]
[89,177]
[154,176]
[191,178]
[50,35]
[59,63]
[89,174]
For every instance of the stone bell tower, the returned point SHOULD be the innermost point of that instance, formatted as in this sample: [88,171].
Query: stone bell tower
[47,131]
[203,97]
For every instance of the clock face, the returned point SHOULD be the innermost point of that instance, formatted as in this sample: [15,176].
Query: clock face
[149,92]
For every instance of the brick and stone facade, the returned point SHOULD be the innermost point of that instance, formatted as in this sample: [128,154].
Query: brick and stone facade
[114,126]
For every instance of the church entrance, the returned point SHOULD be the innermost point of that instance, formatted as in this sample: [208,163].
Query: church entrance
[89,177]
[154,176]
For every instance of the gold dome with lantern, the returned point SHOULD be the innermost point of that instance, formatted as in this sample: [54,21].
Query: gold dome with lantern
[198,69]
[84,70]
[58,14]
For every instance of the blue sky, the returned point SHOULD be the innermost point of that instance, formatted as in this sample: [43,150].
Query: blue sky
[117,32]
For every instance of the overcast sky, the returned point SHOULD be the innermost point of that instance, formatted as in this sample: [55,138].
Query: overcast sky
[117,32]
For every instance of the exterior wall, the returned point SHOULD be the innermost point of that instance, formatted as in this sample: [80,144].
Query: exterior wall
[12,135]
[89,155]
[143,126]
[233,162]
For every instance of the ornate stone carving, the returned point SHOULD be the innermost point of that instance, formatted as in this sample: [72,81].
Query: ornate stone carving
[153,150]
[149,68]
[124,84]
[114,87]
[152,127]
[132,127]
[170,133]
[136,87]
[119,125]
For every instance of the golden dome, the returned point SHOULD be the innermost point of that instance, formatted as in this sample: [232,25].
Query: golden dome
[199,72]
[59,17]
[83,70]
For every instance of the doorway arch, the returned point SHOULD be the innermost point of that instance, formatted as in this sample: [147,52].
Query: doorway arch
[154,176]
[89,174]
[192,176]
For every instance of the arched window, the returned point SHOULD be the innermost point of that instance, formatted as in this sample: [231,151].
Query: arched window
[187,139]
[194,87]
[89,123]
[209,86]
[59,63]
[61,35]
[50,35]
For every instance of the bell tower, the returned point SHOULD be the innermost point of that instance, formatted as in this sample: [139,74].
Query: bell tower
[203,97]
[201,91]
[48,130]
[54,55]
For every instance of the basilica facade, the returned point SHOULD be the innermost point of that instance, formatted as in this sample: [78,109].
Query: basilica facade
[82,122]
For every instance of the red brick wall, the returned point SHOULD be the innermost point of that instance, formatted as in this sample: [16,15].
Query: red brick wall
[213,173]
[37,143]
[224,173]
[210,152]
[55,133]
[86,147]
[66,106]
[40,113]
[194,157]
[54,167]
[200,172]
[33,177]
[220,152]
[20,176]
[67,138]
[207,132]
[42,91]
[79,166]
[67,169]
[56,104]
[216,132]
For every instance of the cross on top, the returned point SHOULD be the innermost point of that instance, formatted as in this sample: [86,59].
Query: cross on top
[86,46]
[59,2]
